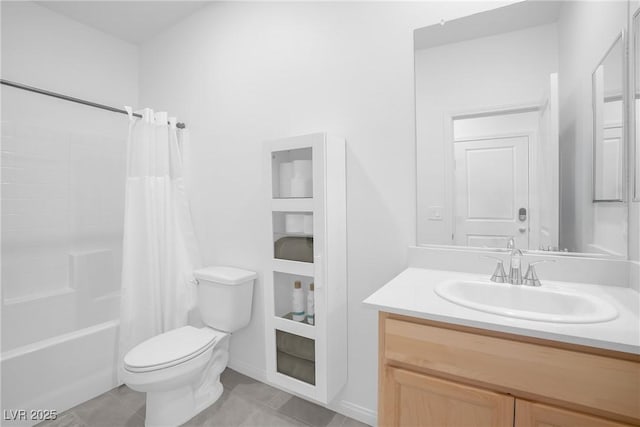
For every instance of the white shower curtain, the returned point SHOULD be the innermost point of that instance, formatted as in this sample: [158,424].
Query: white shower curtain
[160,250]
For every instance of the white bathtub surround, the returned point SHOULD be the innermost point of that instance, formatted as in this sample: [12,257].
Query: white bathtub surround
[413,293]
[159,250]
[61,248]
[60,372]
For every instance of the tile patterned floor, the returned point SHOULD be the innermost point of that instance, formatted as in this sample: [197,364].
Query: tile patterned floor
[244,403]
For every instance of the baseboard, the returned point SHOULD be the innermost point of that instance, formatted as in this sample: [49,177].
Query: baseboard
[357,412]
[250,371]
[343,407]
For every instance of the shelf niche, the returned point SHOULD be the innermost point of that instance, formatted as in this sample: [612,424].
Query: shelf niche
[283,294]
[287,165]
[293,236]
[296,357]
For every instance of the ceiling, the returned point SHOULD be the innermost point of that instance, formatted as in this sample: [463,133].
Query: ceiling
[132,21]
[513,17]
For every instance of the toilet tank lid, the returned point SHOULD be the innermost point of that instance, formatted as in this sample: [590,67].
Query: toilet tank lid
[225,275]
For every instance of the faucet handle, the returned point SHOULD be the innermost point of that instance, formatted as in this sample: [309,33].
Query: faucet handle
[499,275]
[531,277]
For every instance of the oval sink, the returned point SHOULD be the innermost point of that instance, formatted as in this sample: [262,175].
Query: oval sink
[526,302]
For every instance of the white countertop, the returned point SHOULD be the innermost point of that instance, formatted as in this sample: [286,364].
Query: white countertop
[411,293]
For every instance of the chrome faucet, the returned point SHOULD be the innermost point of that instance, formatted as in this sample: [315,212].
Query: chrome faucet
[498,276]
[531,278]
[515,269]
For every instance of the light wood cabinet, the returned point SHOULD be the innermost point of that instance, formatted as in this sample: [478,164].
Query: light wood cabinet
[531,414]
[421,401]
[438,374]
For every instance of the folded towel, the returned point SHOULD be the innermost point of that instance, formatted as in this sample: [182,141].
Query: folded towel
[295,345]
[295,367]
[294,249]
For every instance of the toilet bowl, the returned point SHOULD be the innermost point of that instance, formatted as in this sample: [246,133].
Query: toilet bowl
[179,370]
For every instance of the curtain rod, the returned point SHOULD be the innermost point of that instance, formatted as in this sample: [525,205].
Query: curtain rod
[179,125]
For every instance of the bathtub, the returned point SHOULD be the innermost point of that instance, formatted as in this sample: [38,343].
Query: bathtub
[58,373]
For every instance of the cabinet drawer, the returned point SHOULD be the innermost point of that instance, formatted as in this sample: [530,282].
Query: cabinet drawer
[595,383]
[531,414]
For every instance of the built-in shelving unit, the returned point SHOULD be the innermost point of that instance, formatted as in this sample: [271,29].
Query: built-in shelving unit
[307,206]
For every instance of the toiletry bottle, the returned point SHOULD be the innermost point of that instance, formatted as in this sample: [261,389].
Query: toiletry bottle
[311,309]
[298,302]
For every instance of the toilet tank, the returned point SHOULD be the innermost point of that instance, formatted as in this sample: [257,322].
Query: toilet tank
[224,297]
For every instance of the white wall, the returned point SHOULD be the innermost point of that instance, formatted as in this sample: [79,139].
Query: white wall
[63,173]
[42,48]
[508,69]
[585,32]
[242,73]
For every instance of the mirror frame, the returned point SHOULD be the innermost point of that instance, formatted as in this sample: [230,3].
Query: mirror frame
[622,39]
[634,147]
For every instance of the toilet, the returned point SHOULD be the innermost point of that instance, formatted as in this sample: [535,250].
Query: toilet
[179,370]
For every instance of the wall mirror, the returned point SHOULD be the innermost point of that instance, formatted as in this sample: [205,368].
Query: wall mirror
[636,103]
[504,128]
[608,125]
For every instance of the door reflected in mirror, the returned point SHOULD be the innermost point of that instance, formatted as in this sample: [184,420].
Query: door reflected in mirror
[505,133]
[492,178]
[608,126]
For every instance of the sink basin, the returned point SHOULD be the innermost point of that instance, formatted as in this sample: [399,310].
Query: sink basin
[526,302]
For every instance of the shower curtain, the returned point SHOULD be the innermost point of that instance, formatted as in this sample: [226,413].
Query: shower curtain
[160,250]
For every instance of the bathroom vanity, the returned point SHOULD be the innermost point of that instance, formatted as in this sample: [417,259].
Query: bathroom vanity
[530,149]
[441,363]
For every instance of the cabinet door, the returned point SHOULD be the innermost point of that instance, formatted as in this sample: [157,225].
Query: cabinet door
[530,414]
[415,400]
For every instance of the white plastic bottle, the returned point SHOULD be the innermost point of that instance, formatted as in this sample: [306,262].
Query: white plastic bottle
[311,309]
[297,302]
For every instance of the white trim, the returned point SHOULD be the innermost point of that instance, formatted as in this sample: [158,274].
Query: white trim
[599,249]
[38,296]
[590,255]
[249,370]
[497,110]
[57,340]
[357,412]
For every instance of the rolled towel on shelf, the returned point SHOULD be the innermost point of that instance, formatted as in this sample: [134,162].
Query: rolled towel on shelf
[294,223]
[286,175]
[294,248]
[308,225]
[302,181]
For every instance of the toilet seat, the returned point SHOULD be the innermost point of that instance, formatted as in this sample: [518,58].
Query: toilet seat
[171,348]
